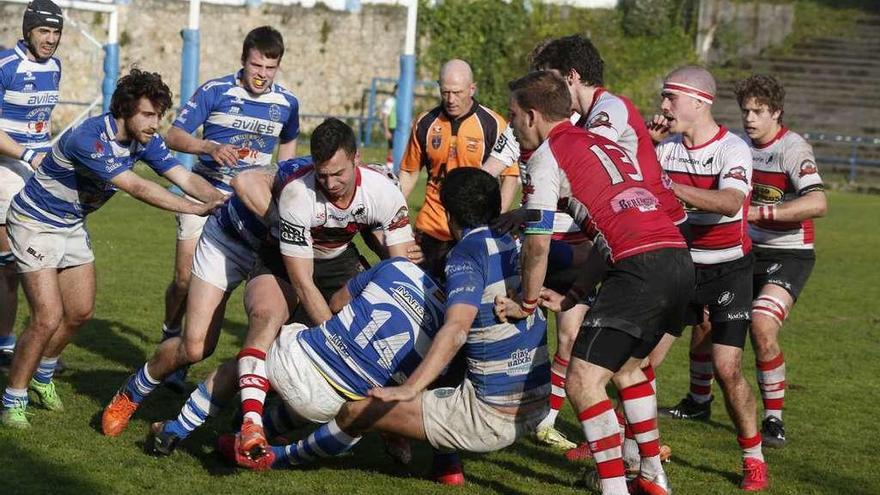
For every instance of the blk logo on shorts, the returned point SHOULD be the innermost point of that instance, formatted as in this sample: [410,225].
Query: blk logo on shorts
[35,254]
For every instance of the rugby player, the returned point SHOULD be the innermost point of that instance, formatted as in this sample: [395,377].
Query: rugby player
[29,78]
[244,117]
[47,232]
[504,395]
[711,169]
[646,255]
[787,195]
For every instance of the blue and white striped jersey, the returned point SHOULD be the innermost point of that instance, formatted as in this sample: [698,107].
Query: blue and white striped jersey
[74,180]
[229,114]
[381,336]
[237,218]
[28,94]
[507,362]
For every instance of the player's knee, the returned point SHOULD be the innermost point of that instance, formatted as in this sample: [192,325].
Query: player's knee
[261,314]
[728,372]
[46,321]
[196,351]
[78,318]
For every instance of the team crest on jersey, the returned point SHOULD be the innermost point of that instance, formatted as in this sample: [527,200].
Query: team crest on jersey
[726,298]
[28,88]
[808,168]
[360,211]
[738,173]
[400,220]
[55,79]
[436,140]
[234,110]
[274,112]
[600,120]
[472,145]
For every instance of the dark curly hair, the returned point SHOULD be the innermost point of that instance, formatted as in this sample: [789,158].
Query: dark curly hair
[329,137]
[266,40]
[471,196]
[572,52]
[765,89]
[136,85]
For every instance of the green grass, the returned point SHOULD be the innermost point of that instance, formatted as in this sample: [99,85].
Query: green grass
[831,343]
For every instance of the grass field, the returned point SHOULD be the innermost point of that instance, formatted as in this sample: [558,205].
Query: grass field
[831,342]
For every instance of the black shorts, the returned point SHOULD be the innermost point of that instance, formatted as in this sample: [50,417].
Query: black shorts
[330,275]
[434,252]
[787,268]
[610,348]
[640,296]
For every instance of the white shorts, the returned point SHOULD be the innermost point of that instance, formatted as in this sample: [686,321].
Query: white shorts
[456,419]
[38,246]
[221,259]
[13,174]
[190,226]
[301,386]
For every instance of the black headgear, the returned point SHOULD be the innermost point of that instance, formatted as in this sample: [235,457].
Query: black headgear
[41,13]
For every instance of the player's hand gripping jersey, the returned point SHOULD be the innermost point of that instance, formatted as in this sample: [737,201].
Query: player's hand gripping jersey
[723,162]
[230,115]
[784,169]
[75,179]
[603,189]
[381,336]
[311,226]
[507,363]
[28,94]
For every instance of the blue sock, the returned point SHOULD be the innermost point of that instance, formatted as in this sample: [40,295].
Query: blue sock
[445,459]
[276,420]
[13,397]
[327,441]
[46,370]
[140,385]
[7,342]
[198,407]
[281,460]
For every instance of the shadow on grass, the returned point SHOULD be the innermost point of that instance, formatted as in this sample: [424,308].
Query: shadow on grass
[115,341]
[24,472]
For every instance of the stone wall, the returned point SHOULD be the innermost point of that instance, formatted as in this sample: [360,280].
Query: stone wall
[330,56]
[729,29]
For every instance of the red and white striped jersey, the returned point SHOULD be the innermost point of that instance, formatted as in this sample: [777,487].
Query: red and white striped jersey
[785,169]
[604,191]
[721,163]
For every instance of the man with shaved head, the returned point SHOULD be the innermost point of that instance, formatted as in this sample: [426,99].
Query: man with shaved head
[711,171]
[457,133]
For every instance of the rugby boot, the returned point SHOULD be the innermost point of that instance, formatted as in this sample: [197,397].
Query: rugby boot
[45,395]
[447,470]
[6,360]
[176,381]
[229,447]
[252,440]
[397,447]
[15,417]
[118,412]
[688,408]
[657,486]
[159,441]
[590,480]
[755,476]
[579,453]
[773,432]
[553,438]
[634,464]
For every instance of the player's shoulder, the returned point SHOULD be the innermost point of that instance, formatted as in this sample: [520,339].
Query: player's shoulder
[794,140]
[732,142]
[9,60]
[287,94]
[484,110]
[429,116]
[219,83]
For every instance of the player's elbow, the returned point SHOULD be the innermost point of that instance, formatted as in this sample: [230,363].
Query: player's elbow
[821,207]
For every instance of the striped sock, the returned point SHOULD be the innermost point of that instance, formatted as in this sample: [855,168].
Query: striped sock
[141,385]
[751,447]
[631,457]
[771,381]
[557,390]
[169,332]
[702,375]
[198,407]
[327,441]
[7,342]
[253,383]
[46,369]
[13,397]
[603,436]
[640,405]
[651,376]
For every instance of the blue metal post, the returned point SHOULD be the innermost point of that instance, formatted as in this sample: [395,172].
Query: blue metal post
[367,137]
[111,73]
[189,77]
[404,107]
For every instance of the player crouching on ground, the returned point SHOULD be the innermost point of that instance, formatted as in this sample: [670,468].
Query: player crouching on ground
[504,395]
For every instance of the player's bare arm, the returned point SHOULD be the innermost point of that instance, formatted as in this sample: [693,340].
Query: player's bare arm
[495,166]
[194,184]
[810,205]
[12,149]
[254,188]
[180,140]
[727,201]
[301,272]
[408,182]
[155,195]
[339,299]
[449,339]
[509,185]
[287,150]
